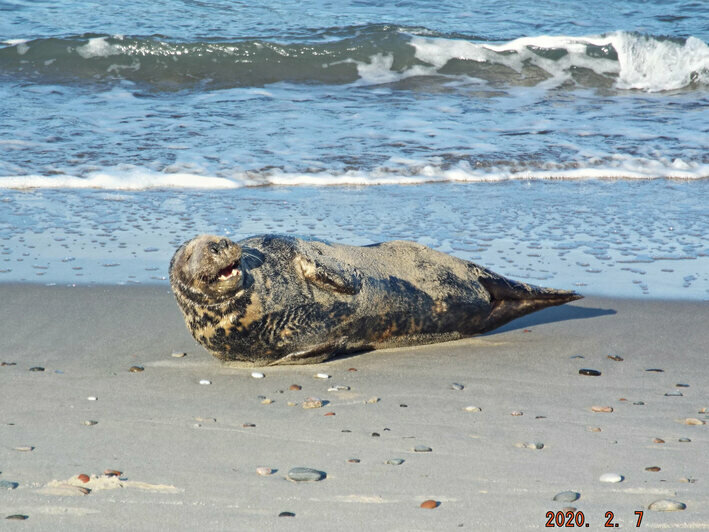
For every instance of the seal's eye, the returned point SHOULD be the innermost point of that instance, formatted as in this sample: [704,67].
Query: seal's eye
[214,247]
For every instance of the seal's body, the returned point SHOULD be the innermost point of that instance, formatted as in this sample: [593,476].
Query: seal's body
[283,300]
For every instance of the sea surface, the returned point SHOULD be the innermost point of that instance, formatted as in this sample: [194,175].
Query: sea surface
[563,143]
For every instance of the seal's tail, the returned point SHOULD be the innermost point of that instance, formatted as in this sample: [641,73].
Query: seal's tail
[511,299]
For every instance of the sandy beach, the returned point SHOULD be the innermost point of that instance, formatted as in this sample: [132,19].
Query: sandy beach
[187,453]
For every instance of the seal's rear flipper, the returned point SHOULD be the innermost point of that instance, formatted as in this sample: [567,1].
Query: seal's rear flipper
[511,300]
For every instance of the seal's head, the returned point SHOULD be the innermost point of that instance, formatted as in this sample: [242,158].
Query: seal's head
[207,269]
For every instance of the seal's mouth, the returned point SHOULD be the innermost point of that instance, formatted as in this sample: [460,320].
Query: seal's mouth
[229,272]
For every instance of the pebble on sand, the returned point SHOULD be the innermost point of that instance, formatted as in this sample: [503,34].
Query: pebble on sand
[305,474]
[257,375]
[264,471]
[286,514]
[205,381]
[658,440]
[136,369]
[267,401]
[666,505]
[567,496]
[322,376]
[456,386]
[92,398]
[693,421]
[594,429]
[7,485]
[112,473]
[17,517]
[90,422]
[24,448]
[312,402]
[83,478]
[37,368]
[338,388]
[422,449]
[531,445]
[653,469]
[373,400]
[611,477]
[590,372]
[295,387]
[395,461]
[473,409]
[353,461]
[601,409]
[430,504]
[178,354]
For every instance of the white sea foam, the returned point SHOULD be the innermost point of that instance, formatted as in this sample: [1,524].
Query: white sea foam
[413,172]
[644,62]
[97,47]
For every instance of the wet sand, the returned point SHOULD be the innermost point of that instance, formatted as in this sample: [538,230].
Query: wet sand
[188,452]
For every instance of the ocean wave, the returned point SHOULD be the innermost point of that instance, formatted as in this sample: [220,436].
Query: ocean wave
[373,54]
[129,177]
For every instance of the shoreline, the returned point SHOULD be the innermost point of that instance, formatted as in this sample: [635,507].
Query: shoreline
[188,452]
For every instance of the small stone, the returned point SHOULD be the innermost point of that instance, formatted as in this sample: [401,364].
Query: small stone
[136,369]
[658,440]
[178,354]
[92,398]
[82,490]
[266,401]
[112,473]
[312,402]
[473,409]
[516,413]
[639,403]
[531,445]
[674,394]
[90,422]
[684,440]
[373,400]
[594,429]
[682,385]
[205,382]
[693,421]
[567,496]
[430,504]
[24,448]
[17,517]
[291,403]
[353,460]
[601,409]
[37,368]
[305,474]
[666,505]
[322,376]
[329,414]
[7,485]
[264,471]
[687,480]
[83,478]
[286,514]
[395,461]
[248,425]
[611,477]
[653,469]
[257,375]
[352,369]
[375,434]
[8,364]
[577,356]
[338,388]
[616,358]
[655,370]
[456,386]
[402,405]
[590,372]
[422,449]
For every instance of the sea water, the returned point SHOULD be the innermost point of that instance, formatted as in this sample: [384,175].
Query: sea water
[560,143]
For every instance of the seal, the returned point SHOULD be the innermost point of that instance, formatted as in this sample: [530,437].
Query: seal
[273,299]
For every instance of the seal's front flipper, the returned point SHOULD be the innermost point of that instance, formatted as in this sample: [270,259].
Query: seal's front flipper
[327,278]
[312,355]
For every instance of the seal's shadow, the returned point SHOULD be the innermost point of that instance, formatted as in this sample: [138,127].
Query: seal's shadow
[551,315]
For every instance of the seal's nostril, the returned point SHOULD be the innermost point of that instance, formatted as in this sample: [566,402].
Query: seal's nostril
[223,244]
[213,247]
